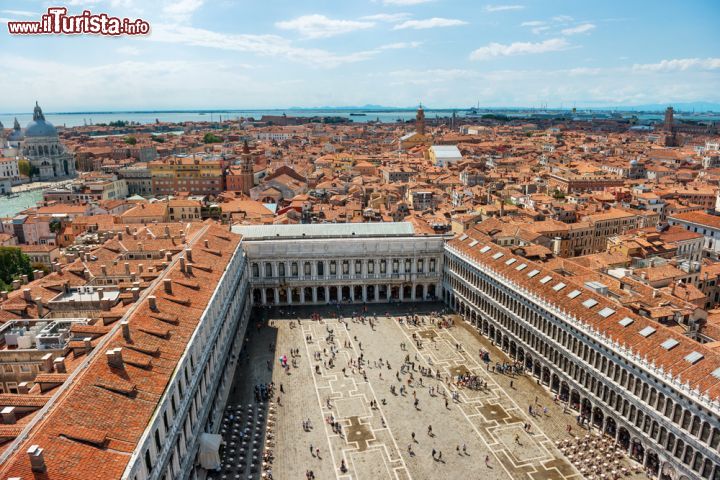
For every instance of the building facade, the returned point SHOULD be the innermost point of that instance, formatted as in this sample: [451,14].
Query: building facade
[341,263]
[653,390]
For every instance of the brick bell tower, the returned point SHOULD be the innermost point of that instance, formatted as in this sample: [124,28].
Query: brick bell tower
[247,175]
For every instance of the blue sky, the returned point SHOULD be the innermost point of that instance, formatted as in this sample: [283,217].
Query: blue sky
[445,53]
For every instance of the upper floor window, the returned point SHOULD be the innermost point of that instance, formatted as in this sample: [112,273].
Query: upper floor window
[255,270]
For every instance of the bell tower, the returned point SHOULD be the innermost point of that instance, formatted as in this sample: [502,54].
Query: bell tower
[420,121]
[247,175]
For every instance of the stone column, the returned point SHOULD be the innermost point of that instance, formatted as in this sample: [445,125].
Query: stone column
[377,293]
[314,294]
[352,293]
[412,292]
[276,291]
[302,295]
[425,290]
[289,296]
[364,294]
[327,293]
[401,292]
[263,295]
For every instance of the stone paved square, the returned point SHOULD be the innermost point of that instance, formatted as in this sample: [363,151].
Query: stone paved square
[375,440]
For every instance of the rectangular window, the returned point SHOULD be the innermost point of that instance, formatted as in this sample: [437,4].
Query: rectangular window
[395,265]
[383,266]
[371,267]
[358,267]
[432,265]
[420,265]
[333,268]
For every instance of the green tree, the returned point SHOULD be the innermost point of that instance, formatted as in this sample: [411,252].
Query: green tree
[157,139]
[55,225]
[24,167]
[211,138]
[130,140]
[13,264]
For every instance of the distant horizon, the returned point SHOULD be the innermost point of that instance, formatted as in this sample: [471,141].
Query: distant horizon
[679,107]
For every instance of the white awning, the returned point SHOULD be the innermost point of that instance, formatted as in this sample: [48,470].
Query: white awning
[209,451]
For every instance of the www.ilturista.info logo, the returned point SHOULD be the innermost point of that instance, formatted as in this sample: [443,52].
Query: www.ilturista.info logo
[57,21]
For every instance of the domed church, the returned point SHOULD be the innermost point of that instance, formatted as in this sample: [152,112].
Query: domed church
[41,146]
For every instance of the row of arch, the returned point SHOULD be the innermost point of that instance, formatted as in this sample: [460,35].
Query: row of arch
[582,391]
[344,294]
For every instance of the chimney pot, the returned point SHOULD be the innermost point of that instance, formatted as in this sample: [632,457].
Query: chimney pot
[207,243]
[47,364]
[16,284]
[125,330]
[114,357]
[189,269]
[27,294]
[167,283]
[101,293]
[141,268]
[152,300]
[188,254]
[168,256]
[37,461]
[25,279]
[182,264]
[59,364]
[103,268]
[87,341]
[127,268]
[40,307]
[23,388]
[8,415]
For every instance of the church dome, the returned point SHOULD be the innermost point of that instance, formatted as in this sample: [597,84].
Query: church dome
[39,127]
[16,135]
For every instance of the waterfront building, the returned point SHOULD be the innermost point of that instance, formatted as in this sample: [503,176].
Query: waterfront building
[41,146]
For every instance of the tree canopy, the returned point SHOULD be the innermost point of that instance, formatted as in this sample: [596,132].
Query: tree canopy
[13,264]
[211,138]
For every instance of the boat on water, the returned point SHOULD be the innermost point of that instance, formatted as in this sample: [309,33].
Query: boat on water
[358,114]
[12,195]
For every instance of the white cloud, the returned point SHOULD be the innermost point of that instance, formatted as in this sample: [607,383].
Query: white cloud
[127,50]
[680,65]
[429,23]
[399,45]
[582,28]
[493,50]
[562,18]
[405,2]
[386,17]
[182,10]
[532,23]
[266,45]
[20,13]
[320,26]
[503,8]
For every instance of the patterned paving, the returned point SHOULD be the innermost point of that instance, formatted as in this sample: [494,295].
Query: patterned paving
[377,426]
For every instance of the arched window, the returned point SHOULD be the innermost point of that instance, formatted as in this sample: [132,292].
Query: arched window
[255,270]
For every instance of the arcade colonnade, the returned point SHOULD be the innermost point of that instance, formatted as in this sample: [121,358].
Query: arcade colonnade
[673,438]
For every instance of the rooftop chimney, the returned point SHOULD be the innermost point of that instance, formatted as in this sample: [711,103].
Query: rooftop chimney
[114,357]
[37,461]
[59,364]
[189,269]
[167,283]
[182,264]
[27,294]
[101,293]
[40,307]
[167,231]
[103,269]
[141,268]
[153,303]
[23,388]
[47,363]
[25,279]
[8,415]
[188,254]
[127,268]
[87,343]
[168,256]
[4,295]
[126,330]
